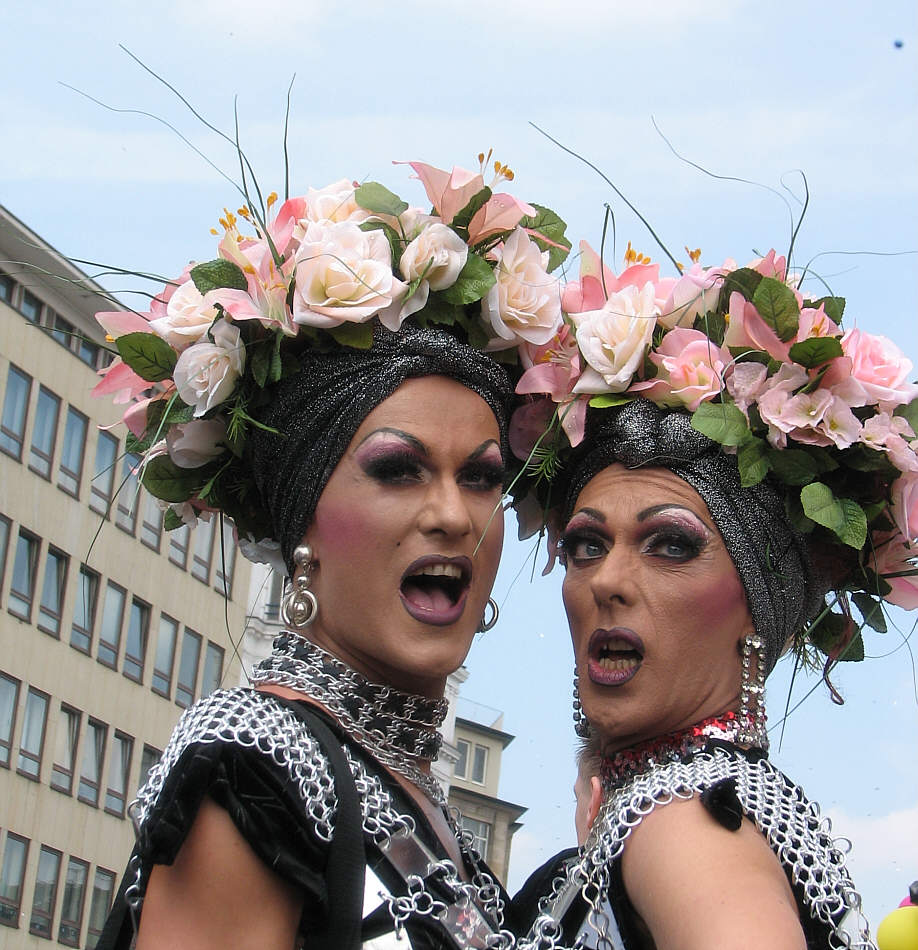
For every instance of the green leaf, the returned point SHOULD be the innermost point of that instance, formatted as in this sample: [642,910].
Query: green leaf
[752,461]
[356,335]
[871,610]
[548,225]
[396,245]
[854,651]
[171,521]
[438,310]
[474,281]
[259,362]
[713,325]
[745,280]
[723,423]
[777,306]
[815,351]
[135,446]
[607,400]
[276,370]
[163,478]
[826,632]
[910,414]
[461,219]
[376,198]
[165,412]
[148,355]
[843,516]
[219,273]
[794,466]
[833,306]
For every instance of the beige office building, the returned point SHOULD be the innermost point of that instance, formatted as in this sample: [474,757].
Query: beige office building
[105,635]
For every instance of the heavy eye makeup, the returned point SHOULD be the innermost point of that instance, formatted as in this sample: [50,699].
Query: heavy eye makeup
[674,534]
[484,471]
[582,541]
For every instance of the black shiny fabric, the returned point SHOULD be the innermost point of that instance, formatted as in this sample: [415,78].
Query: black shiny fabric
[317,411]
[782,586]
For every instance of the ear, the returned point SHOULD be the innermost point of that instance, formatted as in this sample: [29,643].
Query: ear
[595,800]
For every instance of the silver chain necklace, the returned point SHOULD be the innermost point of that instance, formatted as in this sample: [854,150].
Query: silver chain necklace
[397,728]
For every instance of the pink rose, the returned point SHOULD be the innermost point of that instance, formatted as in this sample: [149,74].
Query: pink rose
[693,294]
[881,369]
[904,509]
[892,556]
[690,370]
[597,281]
[747,330]
[187,318]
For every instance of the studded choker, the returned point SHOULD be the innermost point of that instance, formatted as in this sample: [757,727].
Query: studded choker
[399,729]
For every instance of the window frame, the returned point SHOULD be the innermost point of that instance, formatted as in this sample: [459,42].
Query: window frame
[91,932]
[7,281]
[61,776]
[73,924]
[26,299]
[226,563]
[41,459]
[68,480]
[120,799]
[49,621]
[6,531]
[212,649]
[11,917]
[17,438]
[76,630]
[97,728]
[28,755]
[127,500]
[14,595]
[178,553]
[133,666]
[100,498]
[160,674]
[7,743]
[111,646]
[151,532]
[181,689]
[143,773]
[46,916]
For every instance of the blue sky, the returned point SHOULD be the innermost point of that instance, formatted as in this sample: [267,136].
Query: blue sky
[750,90]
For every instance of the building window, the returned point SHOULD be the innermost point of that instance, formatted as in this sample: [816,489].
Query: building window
[188,668]
[165,655]
[103,889]
[4,544]
[22,587]
[151,527]
[104,478]
[49,870]
[226,560]
[44,432]
[135,649]
[12,872]
[73,450]
[128,494]
[91,764]
[90,353]
[275,594]
[33,734]
[148,758]
[15,410]
[9,700]
[119,770]
[110,631]
[62,330]
[203,547]
[178,546]
[68,932]
[213,669]
[65,749]
[7,285]
[84,609]
[52,593]
[472,762]
[30,307]
[480,832]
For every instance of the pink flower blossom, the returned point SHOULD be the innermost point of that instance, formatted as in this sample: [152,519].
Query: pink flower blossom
[904,508]
[206,373]
[894,436]
[501,212]
[745,383]
[187,319]
[815,322]
[597,281]
[881,369]
[693,294]
[690,370]
[747,330]
[193,444]
[777,392]
[121,322]
[120,382]
[770,265]
[892,556]
[528,425]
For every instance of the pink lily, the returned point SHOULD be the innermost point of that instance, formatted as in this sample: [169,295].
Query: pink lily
[449,192]
[501,212]
[587,294]
[119,379]
[121,322]
[747,330]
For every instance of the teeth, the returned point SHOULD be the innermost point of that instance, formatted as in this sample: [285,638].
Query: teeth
[608,663]
[617,644]
[442,570]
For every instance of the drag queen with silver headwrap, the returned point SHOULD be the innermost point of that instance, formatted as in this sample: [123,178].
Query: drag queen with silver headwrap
[741,469]
[318,410]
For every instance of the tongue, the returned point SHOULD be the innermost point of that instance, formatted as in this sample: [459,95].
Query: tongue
[428,598]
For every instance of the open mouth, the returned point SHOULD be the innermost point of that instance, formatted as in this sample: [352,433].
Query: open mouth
[614,656]
[434,589]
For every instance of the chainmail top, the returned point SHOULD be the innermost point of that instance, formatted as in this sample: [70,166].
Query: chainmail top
[782,586]
[399,729]
[316,412]
[793,826]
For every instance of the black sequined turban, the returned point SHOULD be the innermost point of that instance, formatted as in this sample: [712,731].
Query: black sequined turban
[317,411]
[772,559]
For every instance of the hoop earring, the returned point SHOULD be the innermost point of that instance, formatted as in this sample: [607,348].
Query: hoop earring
[752,693]
[299,606]
[581,723]
[487,624]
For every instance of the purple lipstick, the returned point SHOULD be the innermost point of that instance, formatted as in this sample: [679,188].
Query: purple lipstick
[614,656]
[434,589]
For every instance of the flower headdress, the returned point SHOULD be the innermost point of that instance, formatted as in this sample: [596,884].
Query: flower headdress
[321,271]
[765,370]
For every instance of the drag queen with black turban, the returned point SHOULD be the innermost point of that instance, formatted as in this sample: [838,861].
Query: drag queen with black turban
[738,484]
[342,410]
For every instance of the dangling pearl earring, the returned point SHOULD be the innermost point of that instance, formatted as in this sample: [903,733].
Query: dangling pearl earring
[299,606]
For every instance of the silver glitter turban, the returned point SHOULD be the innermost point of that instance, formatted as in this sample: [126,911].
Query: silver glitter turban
[772,559]
[317,411]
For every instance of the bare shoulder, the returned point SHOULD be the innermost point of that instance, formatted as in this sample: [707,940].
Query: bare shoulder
[205,899]
[698,885]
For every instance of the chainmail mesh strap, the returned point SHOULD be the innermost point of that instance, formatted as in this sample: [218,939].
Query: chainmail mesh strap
[793,826]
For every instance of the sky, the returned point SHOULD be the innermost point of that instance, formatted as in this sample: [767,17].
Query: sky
[755,93]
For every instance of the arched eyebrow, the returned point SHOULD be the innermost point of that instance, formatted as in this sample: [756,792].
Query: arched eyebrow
[406,437]
[484,448]
[656,509]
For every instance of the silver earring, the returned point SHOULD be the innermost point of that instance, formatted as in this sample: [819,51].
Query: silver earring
[752,693]
[299,606]
[488,622]
[581,723]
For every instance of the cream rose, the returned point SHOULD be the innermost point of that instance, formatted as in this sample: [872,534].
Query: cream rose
[206,373]
[525,303]
[193,444]
[345,275]
[613,340]
[437,256]
[188,317]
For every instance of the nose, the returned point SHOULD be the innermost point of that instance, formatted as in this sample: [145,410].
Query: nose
[445,510]
[613,581]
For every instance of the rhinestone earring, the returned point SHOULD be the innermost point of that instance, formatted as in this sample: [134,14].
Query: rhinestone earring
[581,723]
[752,693]
[299,606]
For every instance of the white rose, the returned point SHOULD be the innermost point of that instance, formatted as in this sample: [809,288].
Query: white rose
[525,303]
[437,253]
[188,317]
[343,275]
[613,340]
[193,444]
[206,373]
[330,205]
